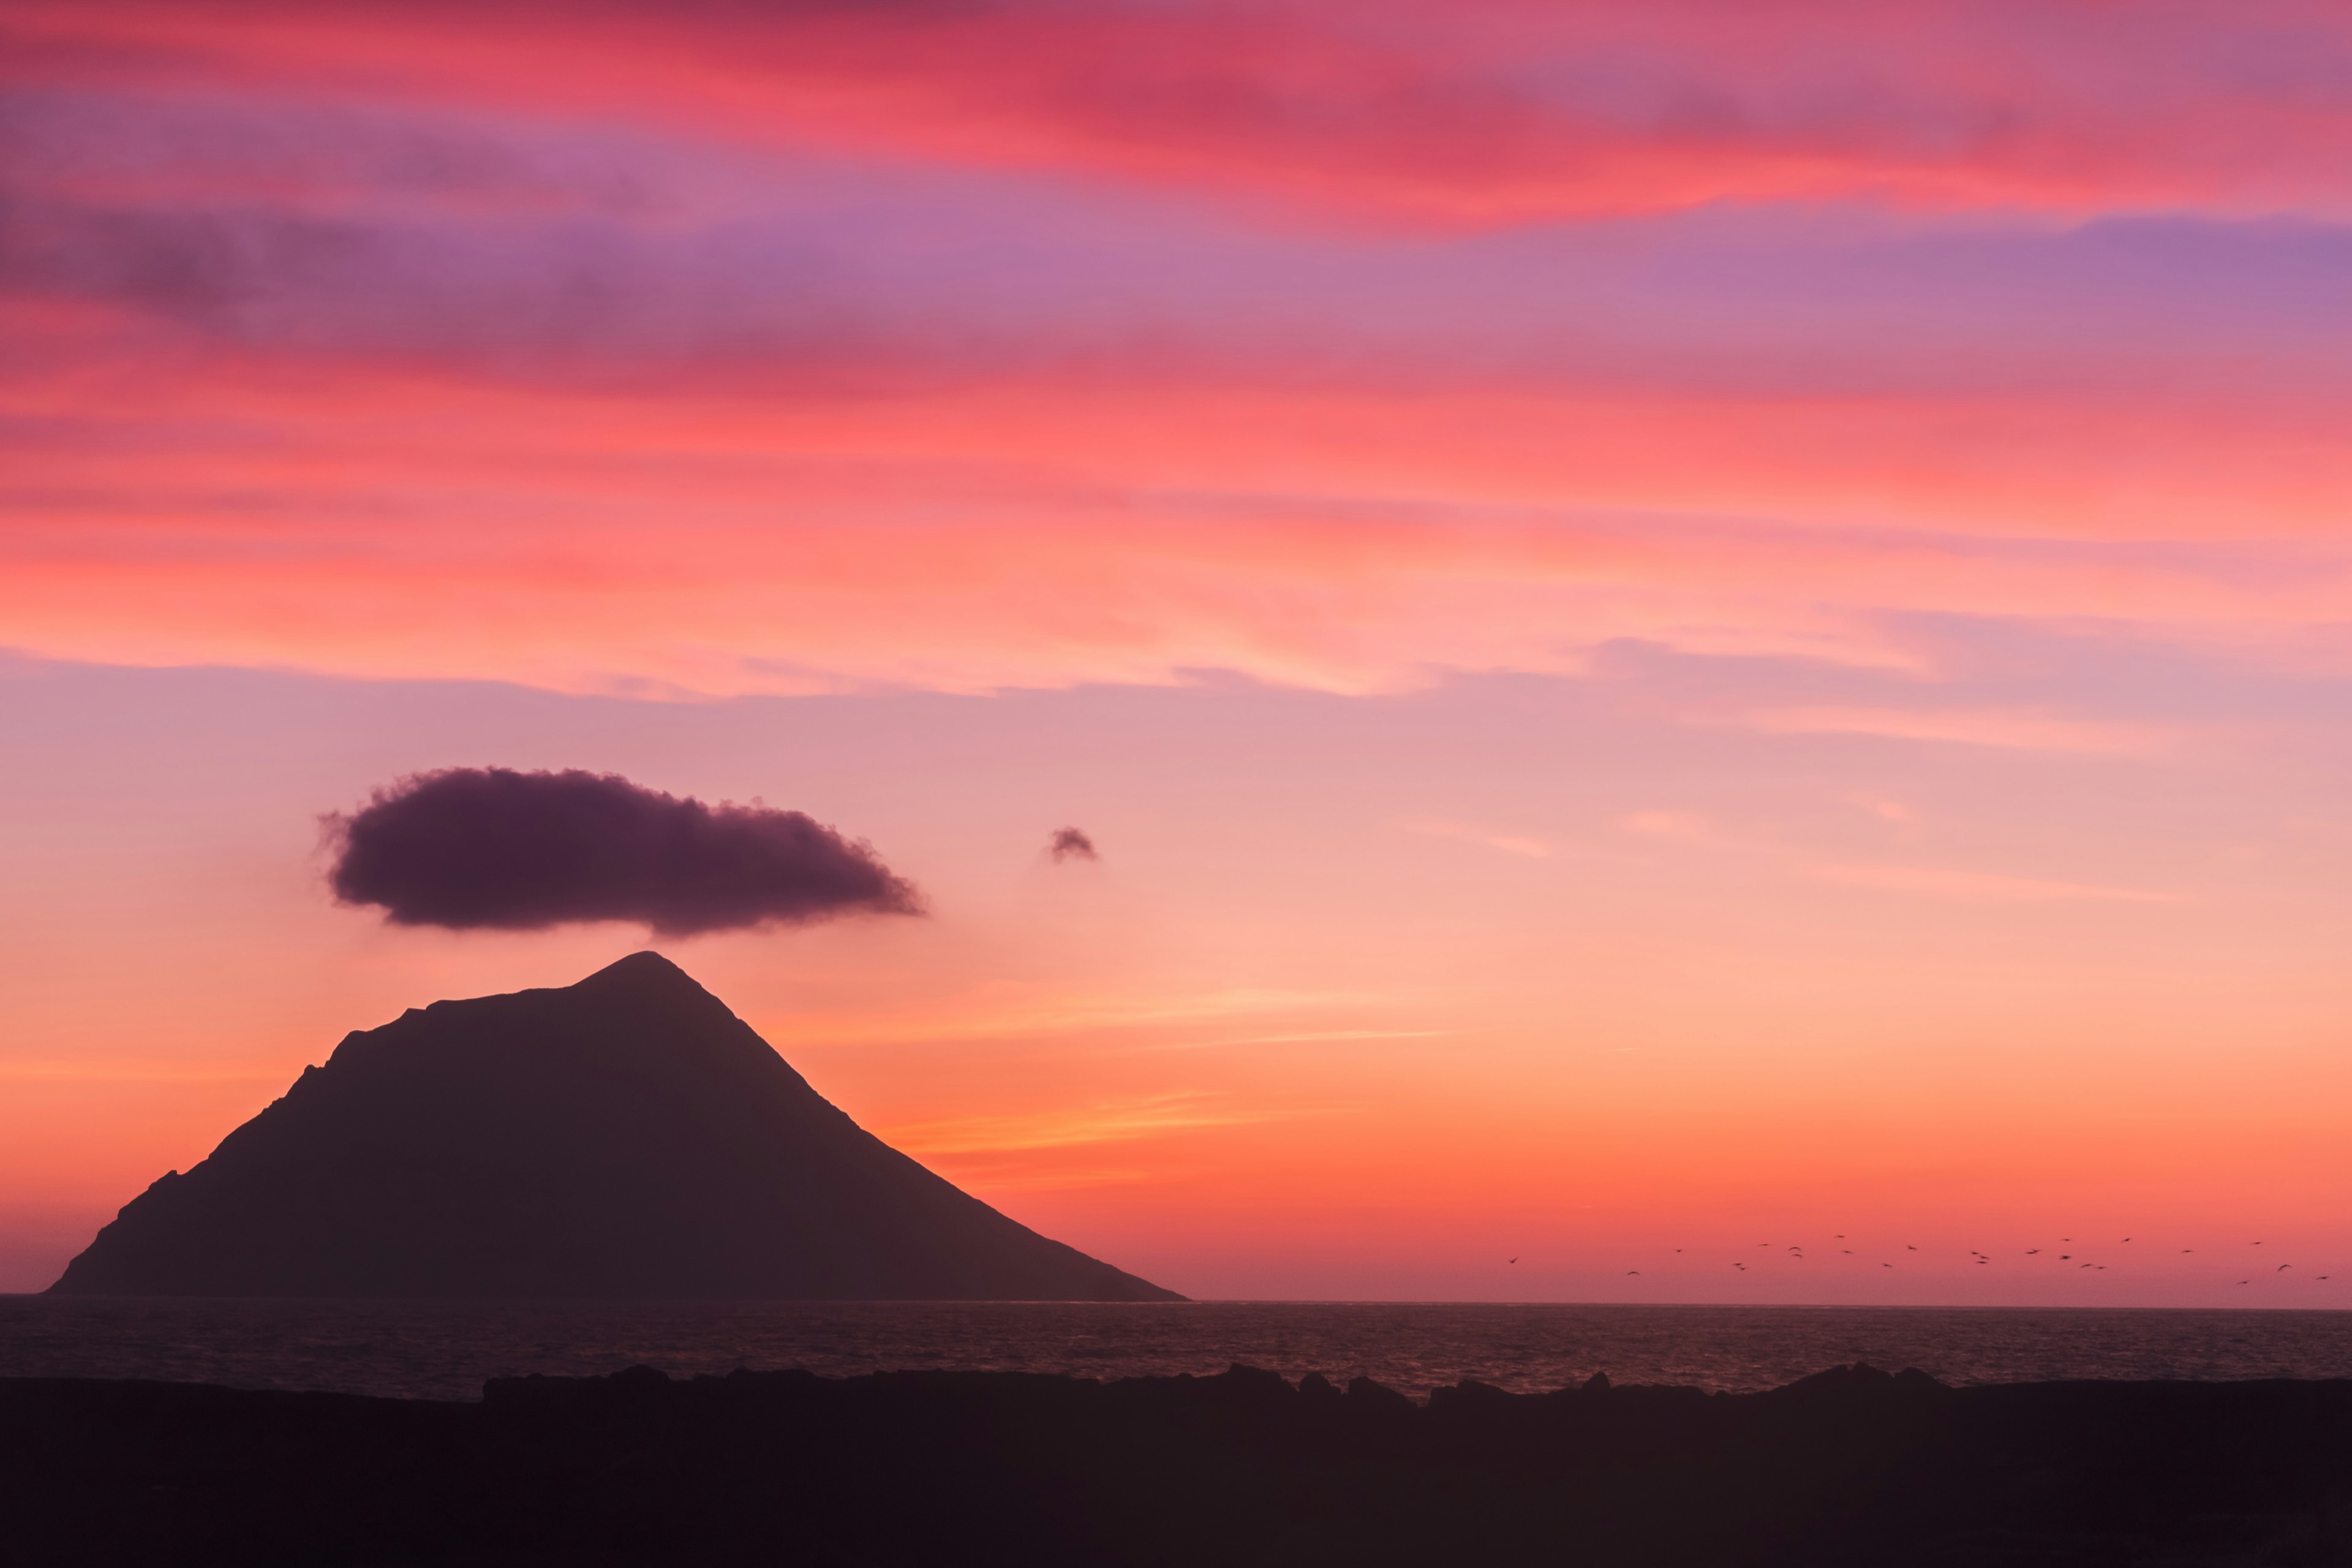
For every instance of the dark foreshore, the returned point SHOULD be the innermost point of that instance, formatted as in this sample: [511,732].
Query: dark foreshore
[1854,1466]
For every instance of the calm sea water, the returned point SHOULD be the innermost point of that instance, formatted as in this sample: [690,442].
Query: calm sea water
[446,1349]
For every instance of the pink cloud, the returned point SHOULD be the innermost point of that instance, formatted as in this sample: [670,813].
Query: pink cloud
[188,508]
[1693,830]
[1471,112]
[1979,887]
[1523,846]
[2024,729]
[699,349]
[1681,826]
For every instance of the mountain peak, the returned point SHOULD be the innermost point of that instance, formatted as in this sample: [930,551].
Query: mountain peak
[626,1137]
[646,971]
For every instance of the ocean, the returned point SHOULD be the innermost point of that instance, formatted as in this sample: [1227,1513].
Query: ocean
[445,1350]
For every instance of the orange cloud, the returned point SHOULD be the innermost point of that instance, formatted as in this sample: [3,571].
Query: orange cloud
[1108,1124]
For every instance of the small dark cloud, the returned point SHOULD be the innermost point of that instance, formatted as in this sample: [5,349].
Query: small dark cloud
[1069,844]
[474,848]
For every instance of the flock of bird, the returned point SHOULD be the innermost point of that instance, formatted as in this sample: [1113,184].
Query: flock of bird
[1795,1252]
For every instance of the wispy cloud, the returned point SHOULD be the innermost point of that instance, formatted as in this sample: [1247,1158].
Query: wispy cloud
[1023,1172]
[1308,1038]
[1110,1122]
[992,1014]
[1979,887]
[133,1069]
[1681,826]
[2024,729]
[1524,846]
[1950,882]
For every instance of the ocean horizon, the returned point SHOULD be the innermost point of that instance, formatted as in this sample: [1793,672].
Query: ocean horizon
[447,1349]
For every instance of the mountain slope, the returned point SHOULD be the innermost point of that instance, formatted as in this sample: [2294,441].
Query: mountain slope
[625,1137]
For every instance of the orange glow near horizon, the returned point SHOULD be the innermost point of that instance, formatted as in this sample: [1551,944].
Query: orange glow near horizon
[1680,630]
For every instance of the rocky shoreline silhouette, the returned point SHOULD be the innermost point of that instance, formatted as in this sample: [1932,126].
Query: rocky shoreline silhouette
[1850,1466]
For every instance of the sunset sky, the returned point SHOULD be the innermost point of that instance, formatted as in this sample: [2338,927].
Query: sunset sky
[1709,625]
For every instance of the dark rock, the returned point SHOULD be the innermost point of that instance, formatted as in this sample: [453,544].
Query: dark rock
[1364,1391]
[1252,1384]
[1913,1382]
[1469,1391]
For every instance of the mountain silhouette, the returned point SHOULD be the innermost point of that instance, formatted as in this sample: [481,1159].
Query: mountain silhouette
[626,1137]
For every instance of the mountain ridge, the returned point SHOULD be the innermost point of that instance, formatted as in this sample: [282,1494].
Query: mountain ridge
[625,1137]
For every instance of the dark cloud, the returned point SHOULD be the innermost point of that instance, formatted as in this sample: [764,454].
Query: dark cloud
[489,847]
[1069,844]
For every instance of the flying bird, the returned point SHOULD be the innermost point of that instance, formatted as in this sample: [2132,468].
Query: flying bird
[1909,1248]
[2030,1251]
[2284,1266]
[1633,1271]
[1515,1260]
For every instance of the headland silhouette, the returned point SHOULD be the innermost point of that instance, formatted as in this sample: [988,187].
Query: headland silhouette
[626,1137]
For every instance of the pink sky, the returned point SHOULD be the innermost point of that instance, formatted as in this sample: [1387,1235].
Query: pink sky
[1681,626]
